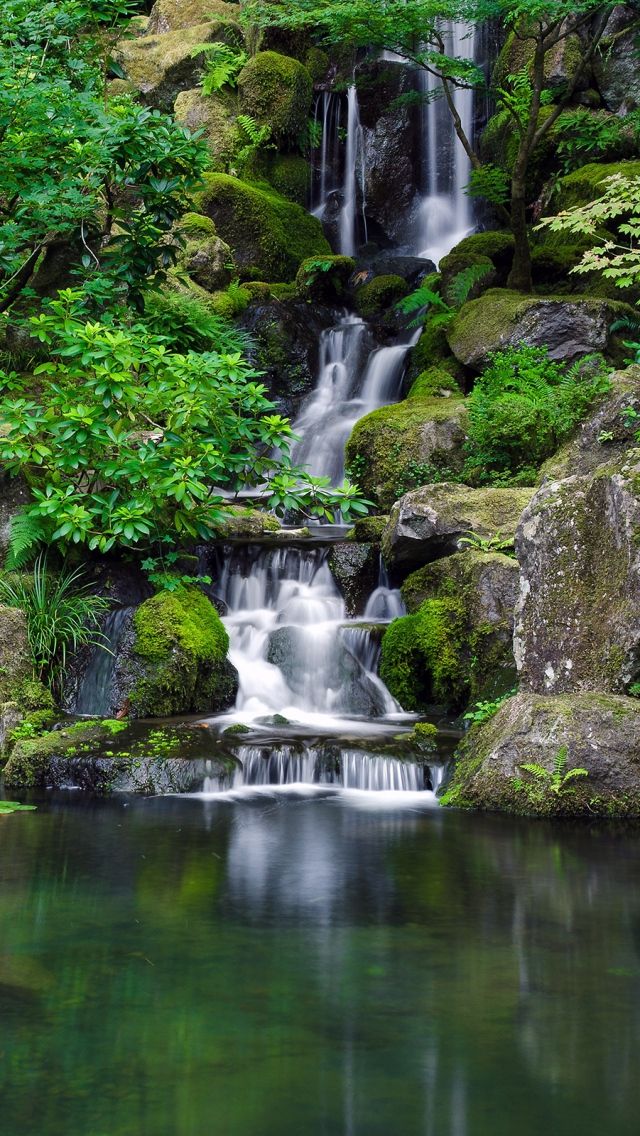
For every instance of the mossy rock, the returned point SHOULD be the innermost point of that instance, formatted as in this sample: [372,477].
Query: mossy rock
[568,326]
[269,236]
[172,15]
[206,258]
[378,297]
[596,732]
[288,174]
[586,184]
[455,646]
[325,279]
[276,90]
[369,529]
[399,447]
[246,524]
[435,382]
[317,63]
[16,664]
[29,765]
[231,303]
[560,66]
[161,66]
[211,115]
[431,350]
[490,252]
[179,657]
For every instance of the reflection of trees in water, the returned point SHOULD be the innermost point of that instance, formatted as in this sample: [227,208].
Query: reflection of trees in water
[262,969]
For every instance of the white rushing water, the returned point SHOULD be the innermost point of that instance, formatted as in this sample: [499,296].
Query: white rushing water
[445,215]
[95,695]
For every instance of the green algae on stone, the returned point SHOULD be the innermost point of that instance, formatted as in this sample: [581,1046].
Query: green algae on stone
[380,295]
[179,656]
[421,660]
[586,184]
[325,279]
[269,236]
[29,765]
[172,15]
[276,90]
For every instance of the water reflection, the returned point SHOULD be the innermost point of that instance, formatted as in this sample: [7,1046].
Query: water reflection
[284,966]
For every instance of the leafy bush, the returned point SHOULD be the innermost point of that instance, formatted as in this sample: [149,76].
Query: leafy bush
[522,408]
[61,616]
[128,443]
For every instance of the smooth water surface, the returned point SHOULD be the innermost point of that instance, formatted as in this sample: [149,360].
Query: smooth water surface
[315,967]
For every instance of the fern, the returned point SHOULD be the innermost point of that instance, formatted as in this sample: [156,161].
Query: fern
[27,532]
[223,64]
[463,283]
[254,133]
[420,301]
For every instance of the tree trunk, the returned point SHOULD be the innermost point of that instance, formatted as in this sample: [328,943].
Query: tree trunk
[520,275]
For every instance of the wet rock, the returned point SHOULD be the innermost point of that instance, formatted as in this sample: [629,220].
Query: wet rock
[388,135]
[429,522]
[212,116]
[335,669]
[285,334]
[568,328]
[412,269]
[355,568]
[599,732]
[578,617]
[246,524]
[616,64]
[605,437]
[455,645]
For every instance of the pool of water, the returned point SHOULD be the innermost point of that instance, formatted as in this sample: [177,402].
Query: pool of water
[315,966]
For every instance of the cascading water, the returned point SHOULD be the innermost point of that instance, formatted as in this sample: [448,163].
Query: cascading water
[95,694]
[445,215]
[353,192]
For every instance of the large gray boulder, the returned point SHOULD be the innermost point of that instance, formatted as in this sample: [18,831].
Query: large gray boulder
[388,142]
[569,327]
[615,66]
[578,617]
[605,436]
[429,522]
[355,568]
[596,732]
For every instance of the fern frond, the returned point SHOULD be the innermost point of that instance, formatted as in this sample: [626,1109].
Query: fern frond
[463,283]
[26,534]
[560,762]
[577,772]
[537,770]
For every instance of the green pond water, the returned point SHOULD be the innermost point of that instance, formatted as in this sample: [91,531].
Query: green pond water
[315,966]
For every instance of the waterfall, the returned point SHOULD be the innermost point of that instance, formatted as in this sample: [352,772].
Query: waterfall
[95,695]
[344,393]
[385,603]
[327,116]
[285,621]
[445,215]
[347,768]
[354,177]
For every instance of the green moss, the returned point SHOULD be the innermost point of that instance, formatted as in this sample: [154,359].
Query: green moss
[277,90]
[432,350]
[399,447]
[421,656]
[213,116]
[585,184]
[317,63]
[181,645]
[246,523]
[369,529]
[257,289]
[231,303]
[197,225]
[325,279]
[30,762]
[433,383]
[496,244]
[161,66]
[453,265]
[283,291]
[269,235]
[289,174]
[380,295]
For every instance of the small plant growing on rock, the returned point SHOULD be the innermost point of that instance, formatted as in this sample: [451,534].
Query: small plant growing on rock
[495,543]
[482,711]
[557,780]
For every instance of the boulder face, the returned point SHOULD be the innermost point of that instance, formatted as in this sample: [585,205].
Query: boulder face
[276,90]
[596,732]
[388,137]
[212,116]
[355,569]
[568,327]
[393,448]
[605,437]
[285,336]
[578,617]
[16,667]
[160,66]
[455,646]
[171,15]
[175,661]
[429,522]
[616,66]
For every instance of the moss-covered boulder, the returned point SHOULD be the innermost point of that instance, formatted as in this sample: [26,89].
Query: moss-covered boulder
[160,66]
[599,733]
[269,236]
[32,759]
[429,522]
[586,184]
[560,66]
[276,90]
[16,665]
[380,295]
[325,279]
[207,259]
[578,619]
[241,523]
[569,327]
[399,447]
[606,436]
[172,15]
[285,334]
[455,646]
[289,174]
[177,662]
[211,115]
[480,252]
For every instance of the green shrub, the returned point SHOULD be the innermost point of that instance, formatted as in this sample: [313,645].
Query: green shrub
[522,408]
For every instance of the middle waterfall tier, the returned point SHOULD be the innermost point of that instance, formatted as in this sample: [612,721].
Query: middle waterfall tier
[296,652]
